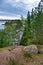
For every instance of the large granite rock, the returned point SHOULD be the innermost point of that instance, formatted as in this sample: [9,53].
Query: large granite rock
[31,49]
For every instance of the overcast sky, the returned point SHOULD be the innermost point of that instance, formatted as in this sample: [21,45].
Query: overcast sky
[16,8]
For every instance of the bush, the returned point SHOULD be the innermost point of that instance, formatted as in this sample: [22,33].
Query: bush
[29,42]
[27,55]
[12,62]
[26,43]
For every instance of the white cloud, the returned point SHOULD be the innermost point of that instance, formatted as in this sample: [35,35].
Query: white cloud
[24,1]
[8,17]
[25,4]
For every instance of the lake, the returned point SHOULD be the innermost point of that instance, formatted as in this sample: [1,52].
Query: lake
[1,24]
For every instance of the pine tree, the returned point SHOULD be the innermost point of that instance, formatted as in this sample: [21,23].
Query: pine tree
[26,33]
[39,21]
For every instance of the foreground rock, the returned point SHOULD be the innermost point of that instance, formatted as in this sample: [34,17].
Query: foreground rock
[31,49]
[10,56]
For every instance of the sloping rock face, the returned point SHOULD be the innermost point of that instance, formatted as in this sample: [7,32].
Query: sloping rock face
[31,49]
[7,57]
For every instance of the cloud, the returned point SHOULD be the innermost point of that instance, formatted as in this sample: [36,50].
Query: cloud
[8,17]
[12,9]
[4,15]
[25,4]
[8,13]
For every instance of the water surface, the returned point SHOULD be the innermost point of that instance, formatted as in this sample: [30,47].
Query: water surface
[2,24]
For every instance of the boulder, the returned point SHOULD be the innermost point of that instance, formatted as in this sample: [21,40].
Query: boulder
[31,49]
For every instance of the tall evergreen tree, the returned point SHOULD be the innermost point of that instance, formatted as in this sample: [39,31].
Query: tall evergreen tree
[39,21]
[26,33]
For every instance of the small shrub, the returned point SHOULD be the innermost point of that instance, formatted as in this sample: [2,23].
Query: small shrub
[29,42]
[12,62]
[27,55]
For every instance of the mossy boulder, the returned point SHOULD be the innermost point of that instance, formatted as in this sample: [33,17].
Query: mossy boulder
[31,49]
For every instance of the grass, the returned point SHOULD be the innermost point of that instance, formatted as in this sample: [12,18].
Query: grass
[10,47]
[41,55]
[27,55]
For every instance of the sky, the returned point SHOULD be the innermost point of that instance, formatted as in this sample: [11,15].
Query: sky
[13,9]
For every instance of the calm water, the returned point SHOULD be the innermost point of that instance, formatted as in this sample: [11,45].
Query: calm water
[1,24]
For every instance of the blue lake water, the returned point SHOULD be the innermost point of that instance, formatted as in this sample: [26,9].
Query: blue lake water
[1,24]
